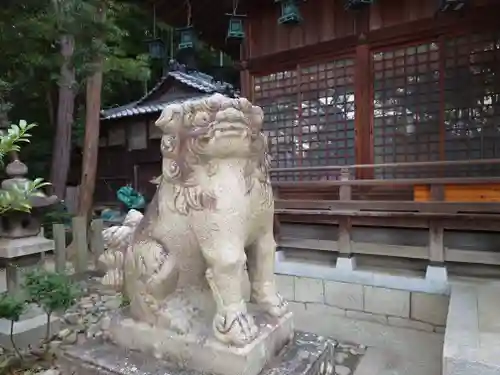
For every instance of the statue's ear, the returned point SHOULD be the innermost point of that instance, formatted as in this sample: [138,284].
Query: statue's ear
[256,115]
[170,120]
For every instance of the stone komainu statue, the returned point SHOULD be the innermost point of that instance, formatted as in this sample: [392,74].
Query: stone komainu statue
[212,214]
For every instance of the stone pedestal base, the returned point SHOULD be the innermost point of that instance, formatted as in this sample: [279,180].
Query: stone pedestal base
[306,354]
[20,247]
[200,351]
[31,329]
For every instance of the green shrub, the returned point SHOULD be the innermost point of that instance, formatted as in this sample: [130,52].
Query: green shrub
[11,308]
[52,291]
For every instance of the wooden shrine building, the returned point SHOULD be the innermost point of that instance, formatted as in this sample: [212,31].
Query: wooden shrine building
[380,114]
[129,150]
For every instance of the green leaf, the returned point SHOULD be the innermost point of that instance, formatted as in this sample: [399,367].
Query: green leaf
[11,308]
[50,290]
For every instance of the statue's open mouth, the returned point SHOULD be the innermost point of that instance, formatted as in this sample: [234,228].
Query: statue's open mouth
[231,130]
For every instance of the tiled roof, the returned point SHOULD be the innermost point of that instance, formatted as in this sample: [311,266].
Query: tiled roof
[202,82]
[136,108]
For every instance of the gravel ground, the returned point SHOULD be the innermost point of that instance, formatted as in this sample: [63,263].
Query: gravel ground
[85,320]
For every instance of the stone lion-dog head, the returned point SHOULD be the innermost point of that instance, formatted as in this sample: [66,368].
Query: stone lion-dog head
[198,134]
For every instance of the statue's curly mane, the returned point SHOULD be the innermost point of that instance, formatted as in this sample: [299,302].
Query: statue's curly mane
[186,126]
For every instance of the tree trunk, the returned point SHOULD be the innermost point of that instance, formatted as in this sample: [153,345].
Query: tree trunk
[91,141]
[61,154]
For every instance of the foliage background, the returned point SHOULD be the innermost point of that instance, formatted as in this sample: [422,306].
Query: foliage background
[31,60]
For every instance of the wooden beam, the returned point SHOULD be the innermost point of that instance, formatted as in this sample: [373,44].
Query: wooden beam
[475,19]
[289,59]
[363,105]
[389,206]
[461,224]
[365,248]
[391,182]
[400,251]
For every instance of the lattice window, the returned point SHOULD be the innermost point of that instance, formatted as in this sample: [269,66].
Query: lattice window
[327,115]
[406,106]
[309,117]
[277,95]
[472,100]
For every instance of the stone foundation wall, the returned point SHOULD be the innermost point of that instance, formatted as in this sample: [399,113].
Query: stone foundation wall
[414,310]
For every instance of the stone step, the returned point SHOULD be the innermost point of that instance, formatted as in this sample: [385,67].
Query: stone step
[378,361]
[472,338]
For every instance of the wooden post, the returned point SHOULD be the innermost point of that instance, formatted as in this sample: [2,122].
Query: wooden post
[345,191]
[436,230]
[59,234]
[363,79]
[437,193]
[344,237]
[80,239]
[436,243]
[96,240]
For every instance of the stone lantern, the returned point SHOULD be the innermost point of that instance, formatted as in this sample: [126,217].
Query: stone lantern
[21,240]
[18,224]
[21,245]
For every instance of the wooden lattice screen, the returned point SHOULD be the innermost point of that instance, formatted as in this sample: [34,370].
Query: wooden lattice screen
[309,116]
[471,97]
[327,114]
[437,101]
[406,105]
[433,100]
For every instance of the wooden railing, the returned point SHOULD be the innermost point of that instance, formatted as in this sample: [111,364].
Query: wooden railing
[346,211]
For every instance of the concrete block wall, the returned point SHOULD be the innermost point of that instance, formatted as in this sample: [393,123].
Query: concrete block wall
[400,308]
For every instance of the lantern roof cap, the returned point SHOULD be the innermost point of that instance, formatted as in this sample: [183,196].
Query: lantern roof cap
[17,170]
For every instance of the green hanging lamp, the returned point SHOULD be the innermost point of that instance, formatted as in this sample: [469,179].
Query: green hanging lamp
[236,29]
[187,37]
[451,5]
[290,12]
[156,47]
[357,4]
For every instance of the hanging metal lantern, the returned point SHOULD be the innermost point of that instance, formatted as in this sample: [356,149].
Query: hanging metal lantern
[357,4]
[187,37]
[235,29]
[156,48]
[290,13]
[451,5]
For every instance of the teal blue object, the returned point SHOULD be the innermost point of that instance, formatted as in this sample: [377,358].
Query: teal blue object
[290,13]
[187,37]
[130,198]
[111,215]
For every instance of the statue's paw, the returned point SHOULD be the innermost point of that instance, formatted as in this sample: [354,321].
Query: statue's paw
[235,327]
[273,304]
